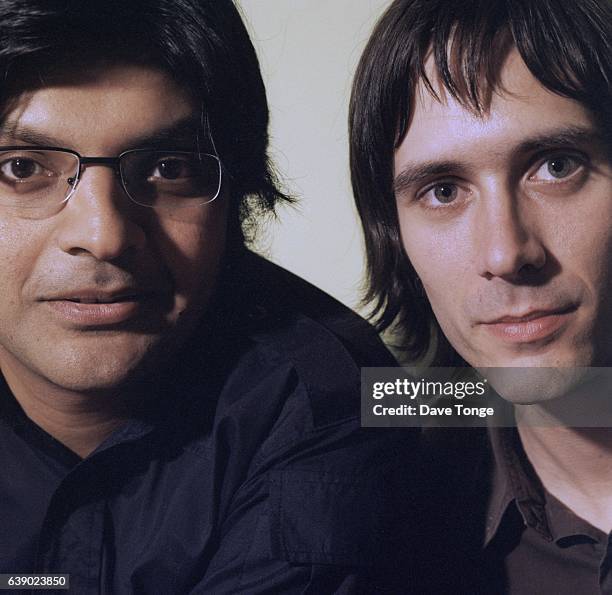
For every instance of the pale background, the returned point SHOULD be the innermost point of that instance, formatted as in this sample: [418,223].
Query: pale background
[308,51]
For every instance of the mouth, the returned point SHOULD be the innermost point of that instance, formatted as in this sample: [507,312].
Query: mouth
[531,327]
[98,309]
[102,300]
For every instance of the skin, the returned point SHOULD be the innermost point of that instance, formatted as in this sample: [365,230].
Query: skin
[67,375]
[503,229]
[514,238]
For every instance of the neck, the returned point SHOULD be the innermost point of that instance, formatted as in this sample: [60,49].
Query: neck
[574,466]
[81,421]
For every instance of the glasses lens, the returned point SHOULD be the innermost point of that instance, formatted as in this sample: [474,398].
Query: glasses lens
[36,179]
[176,179]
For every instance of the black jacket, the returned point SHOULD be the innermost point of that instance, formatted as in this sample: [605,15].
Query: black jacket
[250,475]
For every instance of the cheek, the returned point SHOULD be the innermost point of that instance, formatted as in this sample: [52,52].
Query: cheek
[581,240]
[20,248]
[437,259]
[192,248]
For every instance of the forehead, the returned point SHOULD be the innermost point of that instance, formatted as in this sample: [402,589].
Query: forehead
[520,108]
[103,109]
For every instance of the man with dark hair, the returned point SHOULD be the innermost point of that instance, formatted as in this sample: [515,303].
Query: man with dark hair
[480,152]
[177,415]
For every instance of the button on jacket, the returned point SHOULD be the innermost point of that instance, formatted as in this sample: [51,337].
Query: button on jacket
[246,471]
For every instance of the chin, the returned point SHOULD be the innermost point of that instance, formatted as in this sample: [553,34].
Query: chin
[102,369]
[106,377]
[535,384]
[536,377]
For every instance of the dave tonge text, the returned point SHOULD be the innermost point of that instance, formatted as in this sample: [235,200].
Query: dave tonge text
[427,410]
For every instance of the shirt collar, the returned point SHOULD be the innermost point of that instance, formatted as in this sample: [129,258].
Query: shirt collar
[514,481]
[566,527]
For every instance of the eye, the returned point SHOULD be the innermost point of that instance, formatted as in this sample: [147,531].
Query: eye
[441,195]
[172,168]
[445,193]
[20,168]
[557,169]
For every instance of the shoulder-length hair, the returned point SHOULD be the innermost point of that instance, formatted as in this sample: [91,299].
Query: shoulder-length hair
[567,46]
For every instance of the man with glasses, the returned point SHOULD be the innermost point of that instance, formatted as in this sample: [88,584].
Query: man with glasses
[177,415]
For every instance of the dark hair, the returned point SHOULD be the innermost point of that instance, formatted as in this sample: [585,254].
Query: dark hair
[567,46]
[203,44]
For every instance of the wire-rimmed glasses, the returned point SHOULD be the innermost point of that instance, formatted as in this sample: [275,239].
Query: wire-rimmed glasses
[40,179]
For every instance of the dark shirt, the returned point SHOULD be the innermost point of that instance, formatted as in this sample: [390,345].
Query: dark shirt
[491,527]
[542,546]
[246,471]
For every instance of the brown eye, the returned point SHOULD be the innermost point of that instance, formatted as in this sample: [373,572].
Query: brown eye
[170,169]
[173,169]
[19,168]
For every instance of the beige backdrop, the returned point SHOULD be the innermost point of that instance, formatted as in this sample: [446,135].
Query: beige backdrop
[308,50]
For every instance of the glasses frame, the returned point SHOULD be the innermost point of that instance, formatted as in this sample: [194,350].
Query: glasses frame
[115,164]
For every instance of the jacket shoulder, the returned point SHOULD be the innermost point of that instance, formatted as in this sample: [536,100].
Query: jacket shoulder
[325,342]
[286,296]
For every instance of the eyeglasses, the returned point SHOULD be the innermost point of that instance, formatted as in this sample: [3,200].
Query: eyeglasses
[40,179]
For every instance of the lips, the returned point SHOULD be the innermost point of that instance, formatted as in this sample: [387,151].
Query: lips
[95,308]
[533,326]
[531,315]
[102,300]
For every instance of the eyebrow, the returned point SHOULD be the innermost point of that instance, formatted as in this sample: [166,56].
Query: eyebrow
[413,174]
[184,132]
[563,138]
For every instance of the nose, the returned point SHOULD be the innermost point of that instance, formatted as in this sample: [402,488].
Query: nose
[508,242]
[99,219]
